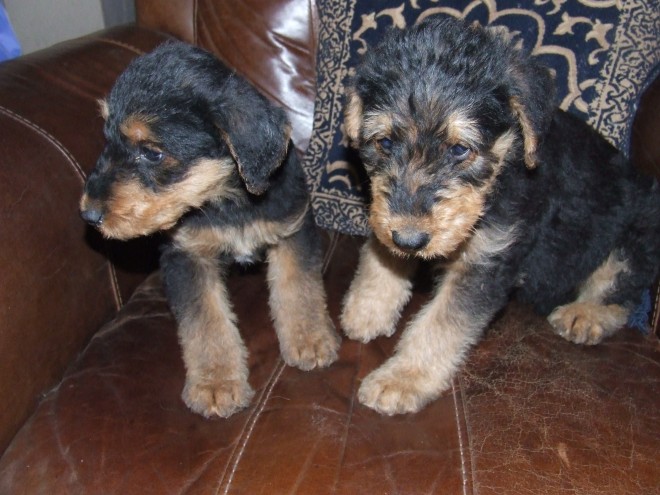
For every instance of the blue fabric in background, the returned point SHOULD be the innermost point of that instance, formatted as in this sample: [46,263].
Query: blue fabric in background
[9,46]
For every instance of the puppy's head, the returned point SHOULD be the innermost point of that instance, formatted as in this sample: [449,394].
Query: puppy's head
[437,111]
[181,130]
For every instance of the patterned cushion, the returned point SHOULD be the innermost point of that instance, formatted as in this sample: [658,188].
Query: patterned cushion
[604,53]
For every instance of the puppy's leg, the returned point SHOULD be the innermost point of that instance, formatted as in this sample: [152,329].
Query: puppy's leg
[213,352]
[436,342]
[379,291]
[297,299]
[589,319]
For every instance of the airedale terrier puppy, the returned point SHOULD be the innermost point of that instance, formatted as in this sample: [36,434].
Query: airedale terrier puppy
[194,150]
[473,166]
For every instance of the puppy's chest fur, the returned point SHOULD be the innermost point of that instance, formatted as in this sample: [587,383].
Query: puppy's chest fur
[208,236]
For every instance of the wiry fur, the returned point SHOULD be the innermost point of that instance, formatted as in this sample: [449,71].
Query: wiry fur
[194,150]
[474,168]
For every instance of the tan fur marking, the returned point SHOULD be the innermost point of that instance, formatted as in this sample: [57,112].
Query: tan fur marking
[503,145]
[297,300]
[103,108]
[458,128]
[451,220]
[488,241]
[137,129]
[287,138]
[530,140]
[133,210]
[430,351]
[377,125]
[213,352]
[435,343]
[378,293]
[602,281]
[588,320]
[449,224]
[239,241]
[352,115]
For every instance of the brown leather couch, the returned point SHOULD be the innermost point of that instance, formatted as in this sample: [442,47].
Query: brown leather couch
[90,369]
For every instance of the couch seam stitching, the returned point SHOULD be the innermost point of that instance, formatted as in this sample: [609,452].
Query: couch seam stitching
[79,171]
[121,44]
[329,254]
[238,452]
[461,448]
[656,312]
[43,133]
[349,422]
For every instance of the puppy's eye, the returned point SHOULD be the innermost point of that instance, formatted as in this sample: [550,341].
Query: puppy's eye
[385,144]
[151,154]
[459,152]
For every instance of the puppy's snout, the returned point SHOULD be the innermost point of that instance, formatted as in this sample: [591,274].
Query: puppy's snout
[410,240]
[90,210]
[92,216]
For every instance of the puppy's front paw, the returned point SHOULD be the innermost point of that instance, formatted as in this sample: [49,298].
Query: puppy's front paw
[364,318]
[381,288]
[307,349]
[220,398]
[587,323]
[396,390]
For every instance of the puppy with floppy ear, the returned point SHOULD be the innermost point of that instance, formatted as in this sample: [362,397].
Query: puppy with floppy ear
[531,96]
[194,150]
[241,116]
[473,169]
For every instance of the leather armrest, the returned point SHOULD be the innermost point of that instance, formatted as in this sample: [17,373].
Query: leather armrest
[57,284]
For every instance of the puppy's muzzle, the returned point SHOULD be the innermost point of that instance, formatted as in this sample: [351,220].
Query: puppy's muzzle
[410,239]
[91,210]
[92,216]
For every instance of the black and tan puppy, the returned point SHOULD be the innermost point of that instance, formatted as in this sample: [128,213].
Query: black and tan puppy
[471,165]
[194,150]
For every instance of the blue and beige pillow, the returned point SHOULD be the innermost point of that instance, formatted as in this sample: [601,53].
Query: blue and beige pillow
[604,53]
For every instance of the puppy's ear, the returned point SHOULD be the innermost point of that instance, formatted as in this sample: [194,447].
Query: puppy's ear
[532,100]
[256,132]
[352,114]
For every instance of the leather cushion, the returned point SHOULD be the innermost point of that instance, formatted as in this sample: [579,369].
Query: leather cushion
[530,413]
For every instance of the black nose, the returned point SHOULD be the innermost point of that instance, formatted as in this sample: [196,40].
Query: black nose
[412,240]
[92,216]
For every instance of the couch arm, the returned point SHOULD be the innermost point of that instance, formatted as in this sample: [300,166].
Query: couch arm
[57,283]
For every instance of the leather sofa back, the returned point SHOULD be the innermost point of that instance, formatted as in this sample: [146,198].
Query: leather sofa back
[270,42]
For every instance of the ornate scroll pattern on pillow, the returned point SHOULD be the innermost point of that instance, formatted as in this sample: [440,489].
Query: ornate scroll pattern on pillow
[601,52]
[632,63]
